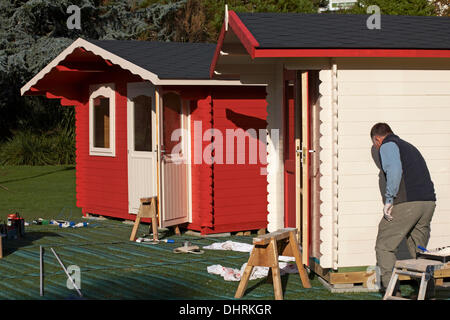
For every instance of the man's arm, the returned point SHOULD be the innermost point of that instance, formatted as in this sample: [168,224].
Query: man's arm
[392,166]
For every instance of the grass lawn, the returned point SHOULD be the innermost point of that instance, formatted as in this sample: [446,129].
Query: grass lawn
[38,191]
[111,266]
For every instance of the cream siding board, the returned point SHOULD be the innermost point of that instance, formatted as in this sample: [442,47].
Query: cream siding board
[325,155]
[272,77]
[416,103]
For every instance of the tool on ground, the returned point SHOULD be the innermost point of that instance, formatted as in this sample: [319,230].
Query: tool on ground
[139,240]
[41,221]
[188,248]
[60,223]
[440,254]
[15,226]
[41,271]
[265,253]
[422,269]
[147,209]
[67,273]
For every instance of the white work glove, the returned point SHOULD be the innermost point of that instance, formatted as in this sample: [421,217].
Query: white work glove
[387,211]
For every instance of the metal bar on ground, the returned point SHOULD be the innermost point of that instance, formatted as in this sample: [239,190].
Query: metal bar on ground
[41,271]
[67,273]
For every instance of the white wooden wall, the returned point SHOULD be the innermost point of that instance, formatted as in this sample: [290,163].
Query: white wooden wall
[416,104]
[275,173]
[271,75]
[325,154]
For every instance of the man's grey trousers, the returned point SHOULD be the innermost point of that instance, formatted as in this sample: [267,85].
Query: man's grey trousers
[411,220]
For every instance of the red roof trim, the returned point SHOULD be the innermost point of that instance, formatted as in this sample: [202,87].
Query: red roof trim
[217,52]
[241,31]
[382,53]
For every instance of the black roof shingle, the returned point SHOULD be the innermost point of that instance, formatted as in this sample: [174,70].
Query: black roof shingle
[168,60]
[348,31]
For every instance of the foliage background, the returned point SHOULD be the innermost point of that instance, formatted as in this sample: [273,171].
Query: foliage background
[33,32]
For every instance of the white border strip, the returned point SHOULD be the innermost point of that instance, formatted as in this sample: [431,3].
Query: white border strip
[125,64]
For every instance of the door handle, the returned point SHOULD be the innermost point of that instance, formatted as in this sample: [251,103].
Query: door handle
[303,152]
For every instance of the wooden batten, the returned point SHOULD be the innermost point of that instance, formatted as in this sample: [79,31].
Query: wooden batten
[158,156]
[315,267]
[305,165]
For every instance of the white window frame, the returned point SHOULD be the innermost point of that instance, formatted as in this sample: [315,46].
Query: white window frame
[136,89]
[107,90]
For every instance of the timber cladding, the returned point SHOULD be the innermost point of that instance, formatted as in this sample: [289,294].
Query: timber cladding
[412,97]
[240,190]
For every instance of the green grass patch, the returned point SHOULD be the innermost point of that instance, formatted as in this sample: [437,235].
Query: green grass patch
[38,191]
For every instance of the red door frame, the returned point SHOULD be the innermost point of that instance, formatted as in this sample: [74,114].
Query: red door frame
[289,148]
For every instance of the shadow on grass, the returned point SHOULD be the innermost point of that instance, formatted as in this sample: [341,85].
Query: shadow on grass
[12,245]
[68,168]
[269,281]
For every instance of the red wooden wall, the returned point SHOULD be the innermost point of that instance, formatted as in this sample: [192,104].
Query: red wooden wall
[102,182]
[239,190]
[225,197]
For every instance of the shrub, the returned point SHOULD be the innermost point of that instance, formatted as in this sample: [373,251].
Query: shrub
[28,148]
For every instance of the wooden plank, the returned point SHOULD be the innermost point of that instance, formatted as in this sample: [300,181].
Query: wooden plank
[244,281]
[261,232]
[276,276]
[158,155]
[298,155]
[294,248]
[154,219]
[388,76]
[396,298]
[350,277]
[442,273]
[324,273]
[418,264]
[136,225]
[305,166]
[277,235]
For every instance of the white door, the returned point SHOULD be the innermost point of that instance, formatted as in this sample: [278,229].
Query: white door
[174,164]
[142,151]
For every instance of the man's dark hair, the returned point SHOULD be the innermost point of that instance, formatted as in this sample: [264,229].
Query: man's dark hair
[380,129]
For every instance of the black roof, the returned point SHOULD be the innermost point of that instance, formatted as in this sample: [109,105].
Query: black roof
[297,30]
[168,60]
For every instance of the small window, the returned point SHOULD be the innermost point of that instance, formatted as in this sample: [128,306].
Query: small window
[171,119]
[102,120]
[142,123]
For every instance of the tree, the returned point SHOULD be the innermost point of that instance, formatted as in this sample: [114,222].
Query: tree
[397,7]
[442,7]
[215,10]
[33,32]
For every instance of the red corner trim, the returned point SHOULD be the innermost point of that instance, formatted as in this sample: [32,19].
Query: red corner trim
[217,52]
[382,53]
[241,31]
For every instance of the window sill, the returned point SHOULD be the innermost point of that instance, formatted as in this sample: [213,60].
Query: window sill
[102,153]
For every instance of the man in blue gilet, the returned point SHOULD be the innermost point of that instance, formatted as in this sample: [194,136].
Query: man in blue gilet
[410,199]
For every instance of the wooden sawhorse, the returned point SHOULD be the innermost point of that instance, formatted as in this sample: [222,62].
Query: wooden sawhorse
[147,209]
[265,253]
[422,269]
